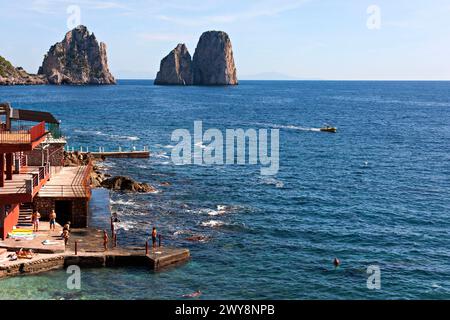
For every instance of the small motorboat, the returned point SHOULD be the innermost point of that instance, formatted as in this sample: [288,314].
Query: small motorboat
[328,129]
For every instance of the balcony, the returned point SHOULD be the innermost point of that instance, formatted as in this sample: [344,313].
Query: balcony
[24,185]
[21,139]
[69,182]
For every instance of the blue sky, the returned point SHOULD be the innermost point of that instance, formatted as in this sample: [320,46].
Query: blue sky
[306,39]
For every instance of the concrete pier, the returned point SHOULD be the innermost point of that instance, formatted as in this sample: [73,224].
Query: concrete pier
[89,253]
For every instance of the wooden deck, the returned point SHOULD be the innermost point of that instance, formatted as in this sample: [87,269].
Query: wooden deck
[17,184]
[67,183]
[56,246]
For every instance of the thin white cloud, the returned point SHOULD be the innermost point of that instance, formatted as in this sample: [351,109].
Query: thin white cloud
[164,37]
[55,6]
[261,9]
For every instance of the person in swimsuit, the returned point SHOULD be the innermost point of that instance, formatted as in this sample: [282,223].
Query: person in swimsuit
[336,262]
[154,235]
[66,236]
[35,220]
[52,218]
[67,226]
[105,240]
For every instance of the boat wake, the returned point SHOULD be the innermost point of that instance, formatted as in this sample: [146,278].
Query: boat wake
[295,128]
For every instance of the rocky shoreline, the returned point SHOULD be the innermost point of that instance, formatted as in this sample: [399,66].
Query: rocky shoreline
[10,75]
[99,179]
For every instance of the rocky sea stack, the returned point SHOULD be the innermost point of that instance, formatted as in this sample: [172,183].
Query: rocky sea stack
[213,61]
[78,59]
[176,68]
[9,75]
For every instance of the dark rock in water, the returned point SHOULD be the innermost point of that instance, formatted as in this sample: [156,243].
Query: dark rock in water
[176,68]
[213,62]
[78,59]
[10,75]
[121,183]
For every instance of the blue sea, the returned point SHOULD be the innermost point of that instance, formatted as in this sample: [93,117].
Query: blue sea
[375,193]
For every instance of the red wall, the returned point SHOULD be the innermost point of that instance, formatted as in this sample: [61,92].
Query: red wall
[10,221]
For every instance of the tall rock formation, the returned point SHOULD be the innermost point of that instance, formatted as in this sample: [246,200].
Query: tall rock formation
[78,59]
[9,75]
[176,68]
[213,62]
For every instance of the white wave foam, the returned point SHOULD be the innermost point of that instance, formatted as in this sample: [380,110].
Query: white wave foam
[125,225]
[214,213]
[212,223]
[161,155]
[181,232]
[103,134]
[132,138]
[123,202]
[272,181]
[220,210]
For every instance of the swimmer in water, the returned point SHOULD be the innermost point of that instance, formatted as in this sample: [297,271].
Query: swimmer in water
[192,295]
[336,262]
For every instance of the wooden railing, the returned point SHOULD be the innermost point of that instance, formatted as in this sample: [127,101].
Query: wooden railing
[22,136]
[87,178]
[32,184]
[80,187]
[65,191]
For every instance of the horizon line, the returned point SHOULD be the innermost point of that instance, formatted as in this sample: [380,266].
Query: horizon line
[316,80]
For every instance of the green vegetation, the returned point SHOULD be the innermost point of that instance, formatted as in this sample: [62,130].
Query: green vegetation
[6,68]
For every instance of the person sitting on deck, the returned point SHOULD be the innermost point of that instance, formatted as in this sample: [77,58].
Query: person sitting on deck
[105,240]
[52,218]
[25,254]
[154,235]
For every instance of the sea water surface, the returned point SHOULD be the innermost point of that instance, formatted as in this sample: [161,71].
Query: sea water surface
[375,193]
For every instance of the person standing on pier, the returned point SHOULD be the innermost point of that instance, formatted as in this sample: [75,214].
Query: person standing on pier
[105,240]
[52,218]
[154,236]
[35,220]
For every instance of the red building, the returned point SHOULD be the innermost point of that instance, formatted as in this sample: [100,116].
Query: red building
[21,131]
